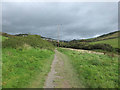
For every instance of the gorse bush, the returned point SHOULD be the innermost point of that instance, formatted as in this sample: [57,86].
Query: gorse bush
[34,41]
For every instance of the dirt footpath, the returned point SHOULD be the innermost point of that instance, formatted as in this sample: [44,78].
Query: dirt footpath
[51,76]
[62,74]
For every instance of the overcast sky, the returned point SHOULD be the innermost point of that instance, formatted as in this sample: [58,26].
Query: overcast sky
[79,20]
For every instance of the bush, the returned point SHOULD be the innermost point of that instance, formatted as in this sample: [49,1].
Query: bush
[117,50]
[106,47]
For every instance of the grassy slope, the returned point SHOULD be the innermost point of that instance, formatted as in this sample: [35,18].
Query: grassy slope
[19,67]
[112,42]
[2,38]
[24,59]
[32,40]
[107,36]
[95,71]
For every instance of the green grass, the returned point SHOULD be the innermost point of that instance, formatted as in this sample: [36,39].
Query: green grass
[20,67]
[94,71]
[24,59]
[112,42]
[106,36]
[0,63]
[32,40]
[2,38]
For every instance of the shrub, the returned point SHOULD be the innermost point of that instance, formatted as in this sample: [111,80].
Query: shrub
[106,47]
[117,50]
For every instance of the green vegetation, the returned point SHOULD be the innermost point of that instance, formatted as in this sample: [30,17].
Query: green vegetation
[111,35]
[24,58]
[106,43]
[23,42]
[21,67]
[95,71]
[112,42]
[2,38]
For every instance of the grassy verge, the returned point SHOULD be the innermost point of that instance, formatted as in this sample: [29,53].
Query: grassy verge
[20,67]
[95,71]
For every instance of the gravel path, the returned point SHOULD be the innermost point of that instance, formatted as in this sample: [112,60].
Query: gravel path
[62,74]
[51,76]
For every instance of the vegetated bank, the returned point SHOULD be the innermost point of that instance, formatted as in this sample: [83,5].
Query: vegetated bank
[94,70]
[23,58]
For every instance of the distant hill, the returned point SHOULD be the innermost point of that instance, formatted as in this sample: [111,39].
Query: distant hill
[111,35]
[106,42]
[110,38]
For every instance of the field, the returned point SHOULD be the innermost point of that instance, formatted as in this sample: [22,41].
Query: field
[24,58]
[110,35]
[26,62]
[112,42]
[22,66]
[95,71]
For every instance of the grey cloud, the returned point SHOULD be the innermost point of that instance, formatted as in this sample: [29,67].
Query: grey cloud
[79,20]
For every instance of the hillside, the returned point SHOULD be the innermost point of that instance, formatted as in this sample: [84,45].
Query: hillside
[110,35]
[107,42]
[27,60]
[112,42]
[110,38]
[24,58]
[34,41]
